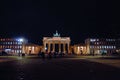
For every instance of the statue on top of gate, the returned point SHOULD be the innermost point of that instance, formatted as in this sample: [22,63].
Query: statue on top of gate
[56,34]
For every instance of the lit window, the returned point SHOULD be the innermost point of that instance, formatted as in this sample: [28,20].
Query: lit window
[107,46]
[19,42]
[20,46]
[92,40]
[8,42]
[114,46]
[97,39]
[17,51]
[20,51]
[97,42]
[111,46]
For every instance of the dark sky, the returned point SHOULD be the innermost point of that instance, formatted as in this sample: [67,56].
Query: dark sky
[78,19]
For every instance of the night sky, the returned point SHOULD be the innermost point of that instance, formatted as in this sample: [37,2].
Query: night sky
[78,19]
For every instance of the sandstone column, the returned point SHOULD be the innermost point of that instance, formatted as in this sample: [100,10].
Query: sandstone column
[48,46]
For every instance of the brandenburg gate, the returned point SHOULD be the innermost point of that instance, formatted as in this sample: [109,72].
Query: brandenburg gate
[50,42]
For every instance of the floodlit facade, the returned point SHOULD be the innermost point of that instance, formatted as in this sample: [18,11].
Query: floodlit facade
[99,46]
[56,44]
[79,49]
[60,44]
[31,49]
[12,46]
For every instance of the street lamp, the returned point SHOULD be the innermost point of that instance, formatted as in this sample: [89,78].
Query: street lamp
[21,40]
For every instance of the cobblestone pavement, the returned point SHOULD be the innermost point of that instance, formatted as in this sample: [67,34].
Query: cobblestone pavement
[35,68]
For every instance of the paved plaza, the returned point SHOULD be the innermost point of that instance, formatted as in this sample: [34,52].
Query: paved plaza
[65,68]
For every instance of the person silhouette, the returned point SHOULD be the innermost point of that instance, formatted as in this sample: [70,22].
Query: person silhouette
[50,55]
[43,55]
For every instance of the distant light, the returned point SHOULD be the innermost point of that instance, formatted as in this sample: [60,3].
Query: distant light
[78,47]
[45,48]
[92,40]
[21,40]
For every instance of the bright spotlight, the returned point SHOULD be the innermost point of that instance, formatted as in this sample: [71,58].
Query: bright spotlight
[45,48]
[21,40]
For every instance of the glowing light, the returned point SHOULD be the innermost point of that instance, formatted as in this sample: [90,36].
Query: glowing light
[92,40]
[20,40]
[45,48]
[78,47]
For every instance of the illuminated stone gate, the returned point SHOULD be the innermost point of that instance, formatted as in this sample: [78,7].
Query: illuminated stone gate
[50,42]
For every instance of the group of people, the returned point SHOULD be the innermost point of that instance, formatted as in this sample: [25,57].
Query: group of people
[50,54]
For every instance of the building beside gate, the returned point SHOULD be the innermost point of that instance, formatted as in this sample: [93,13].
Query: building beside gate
[60,44]
[12,46]
[31,48]
[79,49]
[99,46]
